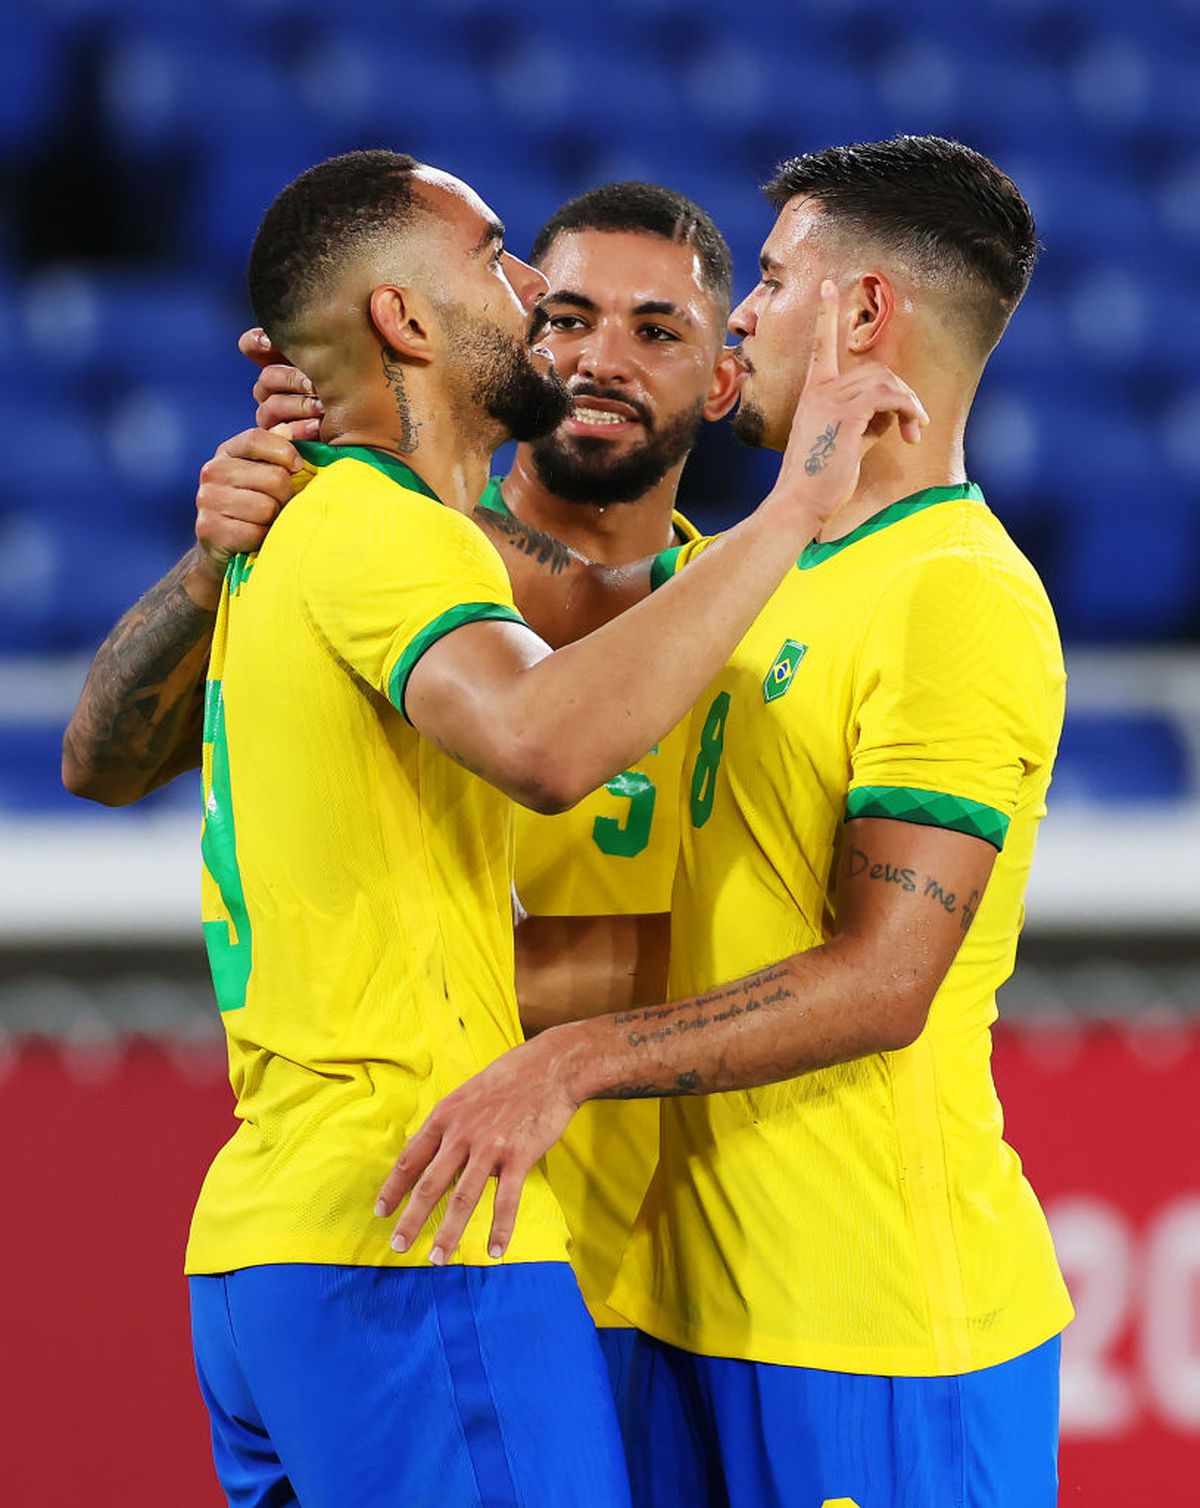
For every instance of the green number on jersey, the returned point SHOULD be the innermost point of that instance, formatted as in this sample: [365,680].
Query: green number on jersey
[708,761]
[629,838]
[229,960]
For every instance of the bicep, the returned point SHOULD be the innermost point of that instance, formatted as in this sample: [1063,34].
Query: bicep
[462,695]
[907,894]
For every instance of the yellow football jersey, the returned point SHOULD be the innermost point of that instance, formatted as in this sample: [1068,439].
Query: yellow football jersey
[868,1217]
[612,855]
[356,885]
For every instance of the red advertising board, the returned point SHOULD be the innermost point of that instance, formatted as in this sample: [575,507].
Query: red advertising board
[104,1151]
[1107,1120]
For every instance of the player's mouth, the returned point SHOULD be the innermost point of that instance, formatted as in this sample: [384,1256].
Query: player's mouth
[604,417]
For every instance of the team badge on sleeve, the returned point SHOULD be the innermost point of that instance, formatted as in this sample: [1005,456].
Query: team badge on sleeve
[778,679]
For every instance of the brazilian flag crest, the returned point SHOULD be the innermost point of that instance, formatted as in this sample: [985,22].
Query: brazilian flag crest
[777,681]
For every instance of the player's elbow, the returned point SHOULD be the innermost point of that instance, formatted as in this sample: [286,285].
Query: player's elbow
[534,773]
[544,787]
[903,1019]
[83,780]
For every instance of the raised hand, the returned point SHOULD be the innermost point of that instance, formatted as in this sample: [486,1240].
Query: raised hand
[286,398]
[839,416]
[242,489]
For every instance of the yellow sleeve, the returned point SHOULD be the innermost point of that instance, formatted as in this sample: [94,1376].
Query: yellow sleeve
[956,699]
[384,578]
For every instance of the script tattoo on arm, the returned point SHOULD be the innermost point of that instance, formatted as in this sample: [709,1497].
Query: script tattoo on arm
[656,1024]
[393,374]
[821,449]
[542,548]
[910,881]
[140,714]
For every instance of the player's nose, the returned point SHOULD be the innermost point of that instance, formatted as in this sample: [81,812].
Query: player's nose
[529,284]
[743,320]
[603,356]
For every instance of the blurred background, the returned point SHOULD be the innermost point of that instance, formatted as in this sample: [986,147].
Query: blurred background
[140,141]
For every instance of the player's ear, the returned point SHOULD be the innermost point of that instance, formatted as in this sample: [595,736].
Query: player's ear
[872,304]
[723,389]
[401,321]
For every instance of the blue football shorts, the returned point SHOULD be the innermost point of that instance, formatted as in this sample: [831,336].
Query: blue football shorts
[709,1432]
[461,1387]
[616,1344]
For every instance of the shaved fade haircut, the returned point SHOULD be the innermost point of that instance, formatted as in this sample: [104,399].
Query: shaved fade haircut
[317,224]
[945,211]
[646,209]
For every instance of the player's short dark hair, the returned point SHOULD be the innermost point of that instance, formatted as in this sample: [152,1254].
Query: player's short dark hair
[939,204]
[317,222]
[645,209]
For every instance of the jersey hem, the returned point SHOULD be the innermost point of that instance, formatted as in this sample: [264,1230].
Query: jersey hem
[929,809]
[202,1267]
[868,1362]
[444,623]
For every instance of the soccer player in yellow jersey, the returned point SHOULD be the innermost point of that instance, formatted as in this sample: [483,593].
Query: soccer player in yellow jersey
[368,666]
[846,1288]
[640,283]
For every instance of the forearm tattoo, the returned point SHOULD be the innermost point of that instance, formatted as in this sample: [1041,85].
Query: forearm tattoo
[143,699]
[651,1027]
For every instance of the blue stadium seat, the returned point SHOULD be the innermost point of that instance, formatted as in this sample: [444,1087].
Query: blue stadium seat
[123,323]
[33,82]
[1131,572]
[161,432]
[1122,758]
[1177,203]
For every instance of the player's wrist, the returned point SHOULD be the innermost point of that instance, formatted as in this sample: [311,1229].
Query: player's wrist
[578,1059]
[794,512]
[203,578]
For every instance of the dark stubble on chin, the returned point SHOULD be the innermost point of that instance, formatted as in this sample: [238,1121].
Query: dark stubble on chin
[503,380]
[582,470]
[750,425]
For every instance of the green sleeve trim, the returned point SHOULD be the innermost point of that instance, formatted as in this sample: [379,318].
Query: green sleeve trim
[929,809]
[444,623]
[664,566]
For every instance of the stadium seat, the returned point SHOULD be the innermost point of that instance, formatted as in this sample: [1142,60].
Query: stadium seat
[33,83]
[86,322]
[1121,758]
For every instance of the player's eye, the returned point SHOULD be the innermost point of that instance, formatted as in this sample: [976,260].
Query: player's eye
[566,322]
[658,333]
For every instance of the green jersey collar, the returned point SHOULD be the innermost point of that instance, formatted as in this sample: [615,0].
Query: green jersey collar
[493,499]
[816,552]
[317,454]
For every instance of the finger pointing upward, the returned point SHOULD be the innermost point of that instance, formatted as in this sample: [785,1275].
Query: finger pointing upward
[824,365]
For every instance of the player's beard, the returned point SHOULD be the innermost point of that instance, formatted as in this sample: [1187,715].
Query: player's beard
[582,470]
[749,424]
[502,379]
